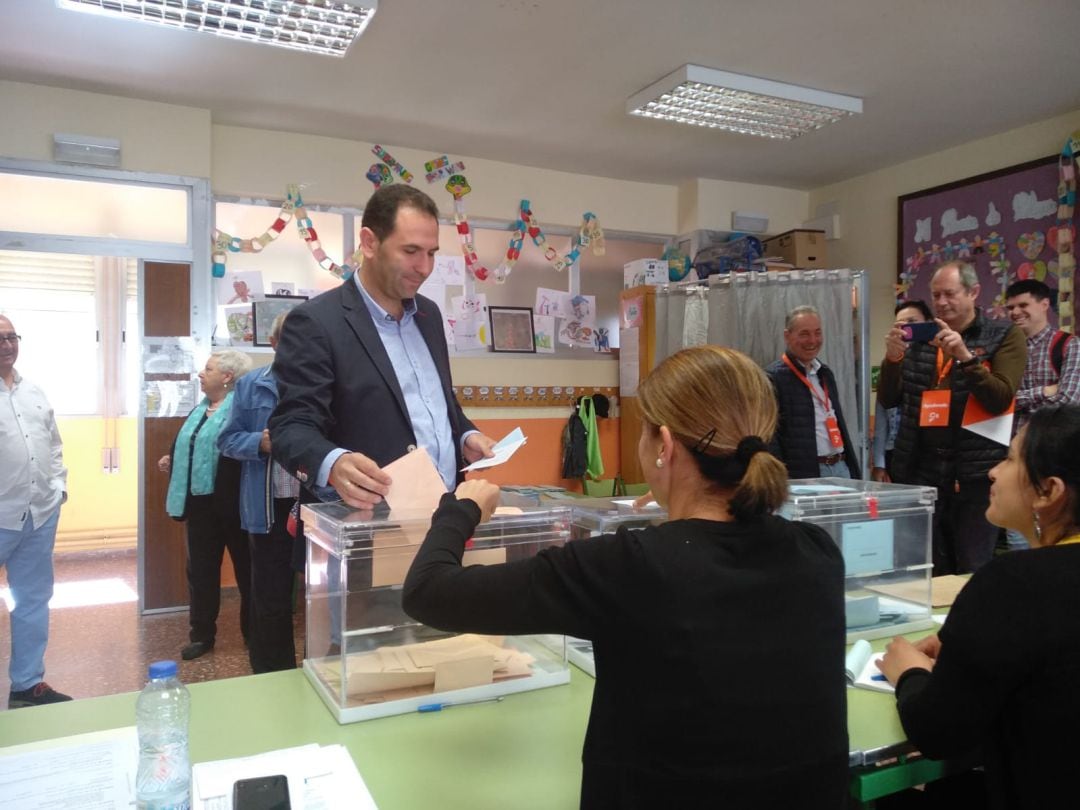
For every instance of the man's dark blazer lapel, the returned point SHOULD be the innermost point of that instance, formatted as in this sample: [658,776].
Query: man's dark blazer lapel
[359,320]
[429,321]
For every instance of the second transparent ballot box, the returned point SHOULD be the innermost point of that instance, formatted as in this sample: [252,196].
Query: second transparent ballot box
[366,658]
[884,533]
[595,516]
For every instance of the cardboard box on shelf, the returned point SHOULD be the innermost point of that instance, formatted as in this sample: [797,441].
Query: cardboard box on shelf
[644,271]
[800,248]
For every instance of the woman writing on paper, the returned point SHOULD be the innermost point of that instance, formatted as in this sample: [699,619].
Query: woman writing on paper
[1004,673]
[718,635]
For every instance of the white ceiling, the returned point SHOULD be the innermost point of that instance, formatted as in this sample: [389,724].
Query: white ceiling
[544,82]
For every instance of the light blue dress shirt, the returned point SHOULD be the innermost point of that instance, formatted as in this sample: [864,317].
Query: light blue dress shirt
[420,384]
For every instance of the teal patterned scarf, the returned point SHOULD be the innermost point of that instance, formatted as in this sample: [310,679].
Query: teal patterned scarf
[201,463]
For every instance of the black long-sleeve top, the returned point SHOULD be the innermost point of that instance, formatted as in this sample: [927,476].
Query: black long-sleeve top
[1007,679]
[719,652]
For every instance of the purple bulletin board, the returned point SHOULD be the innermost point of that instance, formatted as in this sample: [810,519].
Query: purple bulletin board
[1002,222]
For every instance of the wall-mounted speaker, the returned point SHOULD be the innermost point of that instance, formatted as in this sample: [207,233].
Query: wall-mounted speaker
[86,149]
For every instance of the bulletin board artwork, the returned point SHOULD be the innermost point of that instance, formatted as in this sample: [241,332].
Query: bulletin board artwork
[1002,222]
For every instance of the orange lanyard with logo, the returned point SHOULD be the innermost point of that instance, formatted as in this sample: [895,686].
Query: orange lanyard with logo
[943,368]
[934,407]
[831,425]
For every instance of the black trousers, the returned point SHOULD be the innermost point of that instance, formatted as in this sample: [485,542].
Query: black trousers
[210,530]
[272,574]
[963,539]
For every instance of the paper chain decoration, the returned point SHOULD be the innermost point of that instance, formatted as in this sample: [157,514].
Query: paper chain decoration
[224,243]
[590,234]
[1065,231]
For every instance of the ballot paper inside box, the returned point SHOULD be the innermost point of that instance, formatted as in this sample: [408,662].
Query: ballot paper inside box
[883,531]
[366,658]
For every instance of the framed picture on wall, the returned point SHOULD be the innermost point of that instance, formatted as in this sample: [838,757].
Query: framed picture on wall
[265,311]
[512,329]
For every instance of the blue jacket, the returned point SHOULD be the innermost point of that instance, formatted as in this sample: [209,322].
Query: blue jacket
[255,398]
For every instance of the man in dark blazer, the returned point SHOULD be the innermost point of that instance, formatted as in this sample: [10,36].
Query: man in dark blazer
[811,437]
[363,370]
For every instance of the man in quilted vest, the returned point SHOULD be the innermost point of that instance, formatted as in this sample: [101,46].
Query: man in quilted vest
[973,364]
[811,437]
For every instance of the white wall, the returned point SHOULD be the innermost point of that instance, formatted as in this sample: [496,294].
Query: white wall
[867,204]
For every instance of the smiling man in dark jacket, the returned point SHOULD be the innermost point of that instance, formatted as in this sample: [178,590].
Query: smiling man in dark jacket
[811,437]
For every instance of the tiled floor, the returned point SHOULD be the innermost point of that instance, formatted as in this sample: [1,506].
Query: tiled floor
[103,649]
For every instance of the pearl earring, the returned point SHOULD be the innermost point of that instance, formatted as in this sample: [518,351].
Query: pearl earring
[659,462]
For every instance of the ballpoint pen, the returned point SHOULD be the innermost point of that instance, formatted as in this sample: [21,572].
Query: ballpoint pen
[438,707]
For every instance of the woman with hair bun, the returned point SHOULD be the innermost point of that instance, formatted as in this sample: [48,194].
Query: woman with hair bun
[718,635]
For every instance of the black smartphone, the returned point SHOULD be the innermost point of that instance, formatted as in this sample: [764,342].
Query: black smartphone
[920,332]
[261,793]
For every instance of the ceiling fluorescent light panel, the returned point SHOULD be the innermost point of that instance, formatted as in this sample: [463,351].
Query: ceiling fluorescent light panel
[317,26]
[745,104]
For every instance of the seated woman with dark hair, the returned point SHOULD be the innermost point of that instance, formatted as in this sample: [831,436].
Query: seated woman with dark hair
[718,635]
[1003,676]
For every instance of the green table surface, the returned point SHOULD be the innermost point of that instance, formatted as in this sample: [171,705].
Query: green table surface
[524,751]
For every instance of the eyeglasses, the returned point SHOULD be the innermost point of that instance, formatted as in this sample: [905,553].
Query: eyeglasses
[12,338]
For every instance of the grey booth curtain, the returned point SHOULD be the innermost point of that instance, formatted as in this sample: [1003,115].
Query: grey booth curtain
[746,311]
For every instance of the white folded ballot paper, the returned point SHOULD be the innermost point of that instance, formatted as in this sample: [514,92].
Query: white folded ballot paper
[860,666]
[503,449]
[320,778]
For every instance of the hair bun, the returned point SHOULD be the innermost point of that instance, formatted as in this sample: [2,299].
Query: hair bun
[748,447]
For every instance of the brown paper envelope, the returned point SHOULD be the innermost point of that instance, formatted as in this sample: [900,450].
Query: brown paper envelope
[464,672]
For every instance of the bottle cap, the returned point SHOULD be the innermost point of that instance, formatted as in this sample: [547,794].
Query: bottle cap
[162,669]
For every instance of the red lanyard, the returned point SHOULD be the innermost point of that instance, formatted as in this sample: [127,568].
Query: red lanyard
[943,368]
[824,400]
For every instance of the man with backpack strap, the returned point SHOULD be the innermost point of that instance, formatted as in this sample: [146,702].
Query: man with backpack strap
[1052,374]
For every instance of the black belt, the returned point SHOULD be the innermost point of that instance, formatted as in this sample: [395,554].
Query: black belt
[836,458]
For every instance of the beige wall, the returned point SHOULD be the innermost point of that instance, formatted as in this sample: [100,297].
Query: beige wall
[867,204]
[162,138]
[710,203]
[333,170]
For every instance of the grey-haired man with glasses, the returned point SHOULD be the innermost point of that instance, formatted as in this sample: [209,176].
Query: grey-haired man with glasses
[33,485]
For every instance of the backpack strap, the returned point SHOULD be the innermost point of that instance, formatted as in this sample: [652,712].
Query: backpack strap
[1057,350]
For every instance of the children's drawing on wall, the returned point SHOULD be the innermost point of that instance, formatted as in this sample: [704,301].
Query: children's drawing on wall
[583,308]
[239,287]
[544,331]
[602,340]
[552,302]
[471,310]
[449,270]
[283,287]
[238,322]
[576,333]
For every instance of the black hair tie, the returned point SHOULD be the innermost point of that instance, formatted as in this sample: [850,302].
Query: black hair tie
[748,447]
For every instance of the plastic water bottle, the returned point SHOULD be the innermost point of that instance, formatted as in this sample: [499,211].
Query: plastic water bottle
[163,781]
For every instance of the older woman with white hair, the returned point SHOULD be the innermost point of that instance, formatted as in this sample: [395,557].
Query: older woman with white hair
[204,491]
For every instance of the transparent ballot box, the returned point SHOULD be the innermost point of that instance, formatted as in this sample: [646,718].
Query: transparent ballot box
[884,533]
[366,658]
[593,517]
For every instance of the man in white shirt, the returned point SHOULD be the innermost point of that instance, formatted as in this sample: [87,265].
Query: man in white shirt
[33,482]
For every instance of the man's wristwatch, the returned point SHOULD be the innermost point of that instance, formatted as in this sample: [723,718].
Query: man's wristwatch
[969,362]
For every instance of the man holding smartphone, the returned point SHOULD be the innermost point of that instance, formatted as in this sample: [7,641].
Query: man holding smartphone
[971,367]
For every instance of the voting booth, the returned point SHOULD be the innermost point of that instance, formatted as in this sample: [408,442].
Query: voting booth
[884,533]
[366,658]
